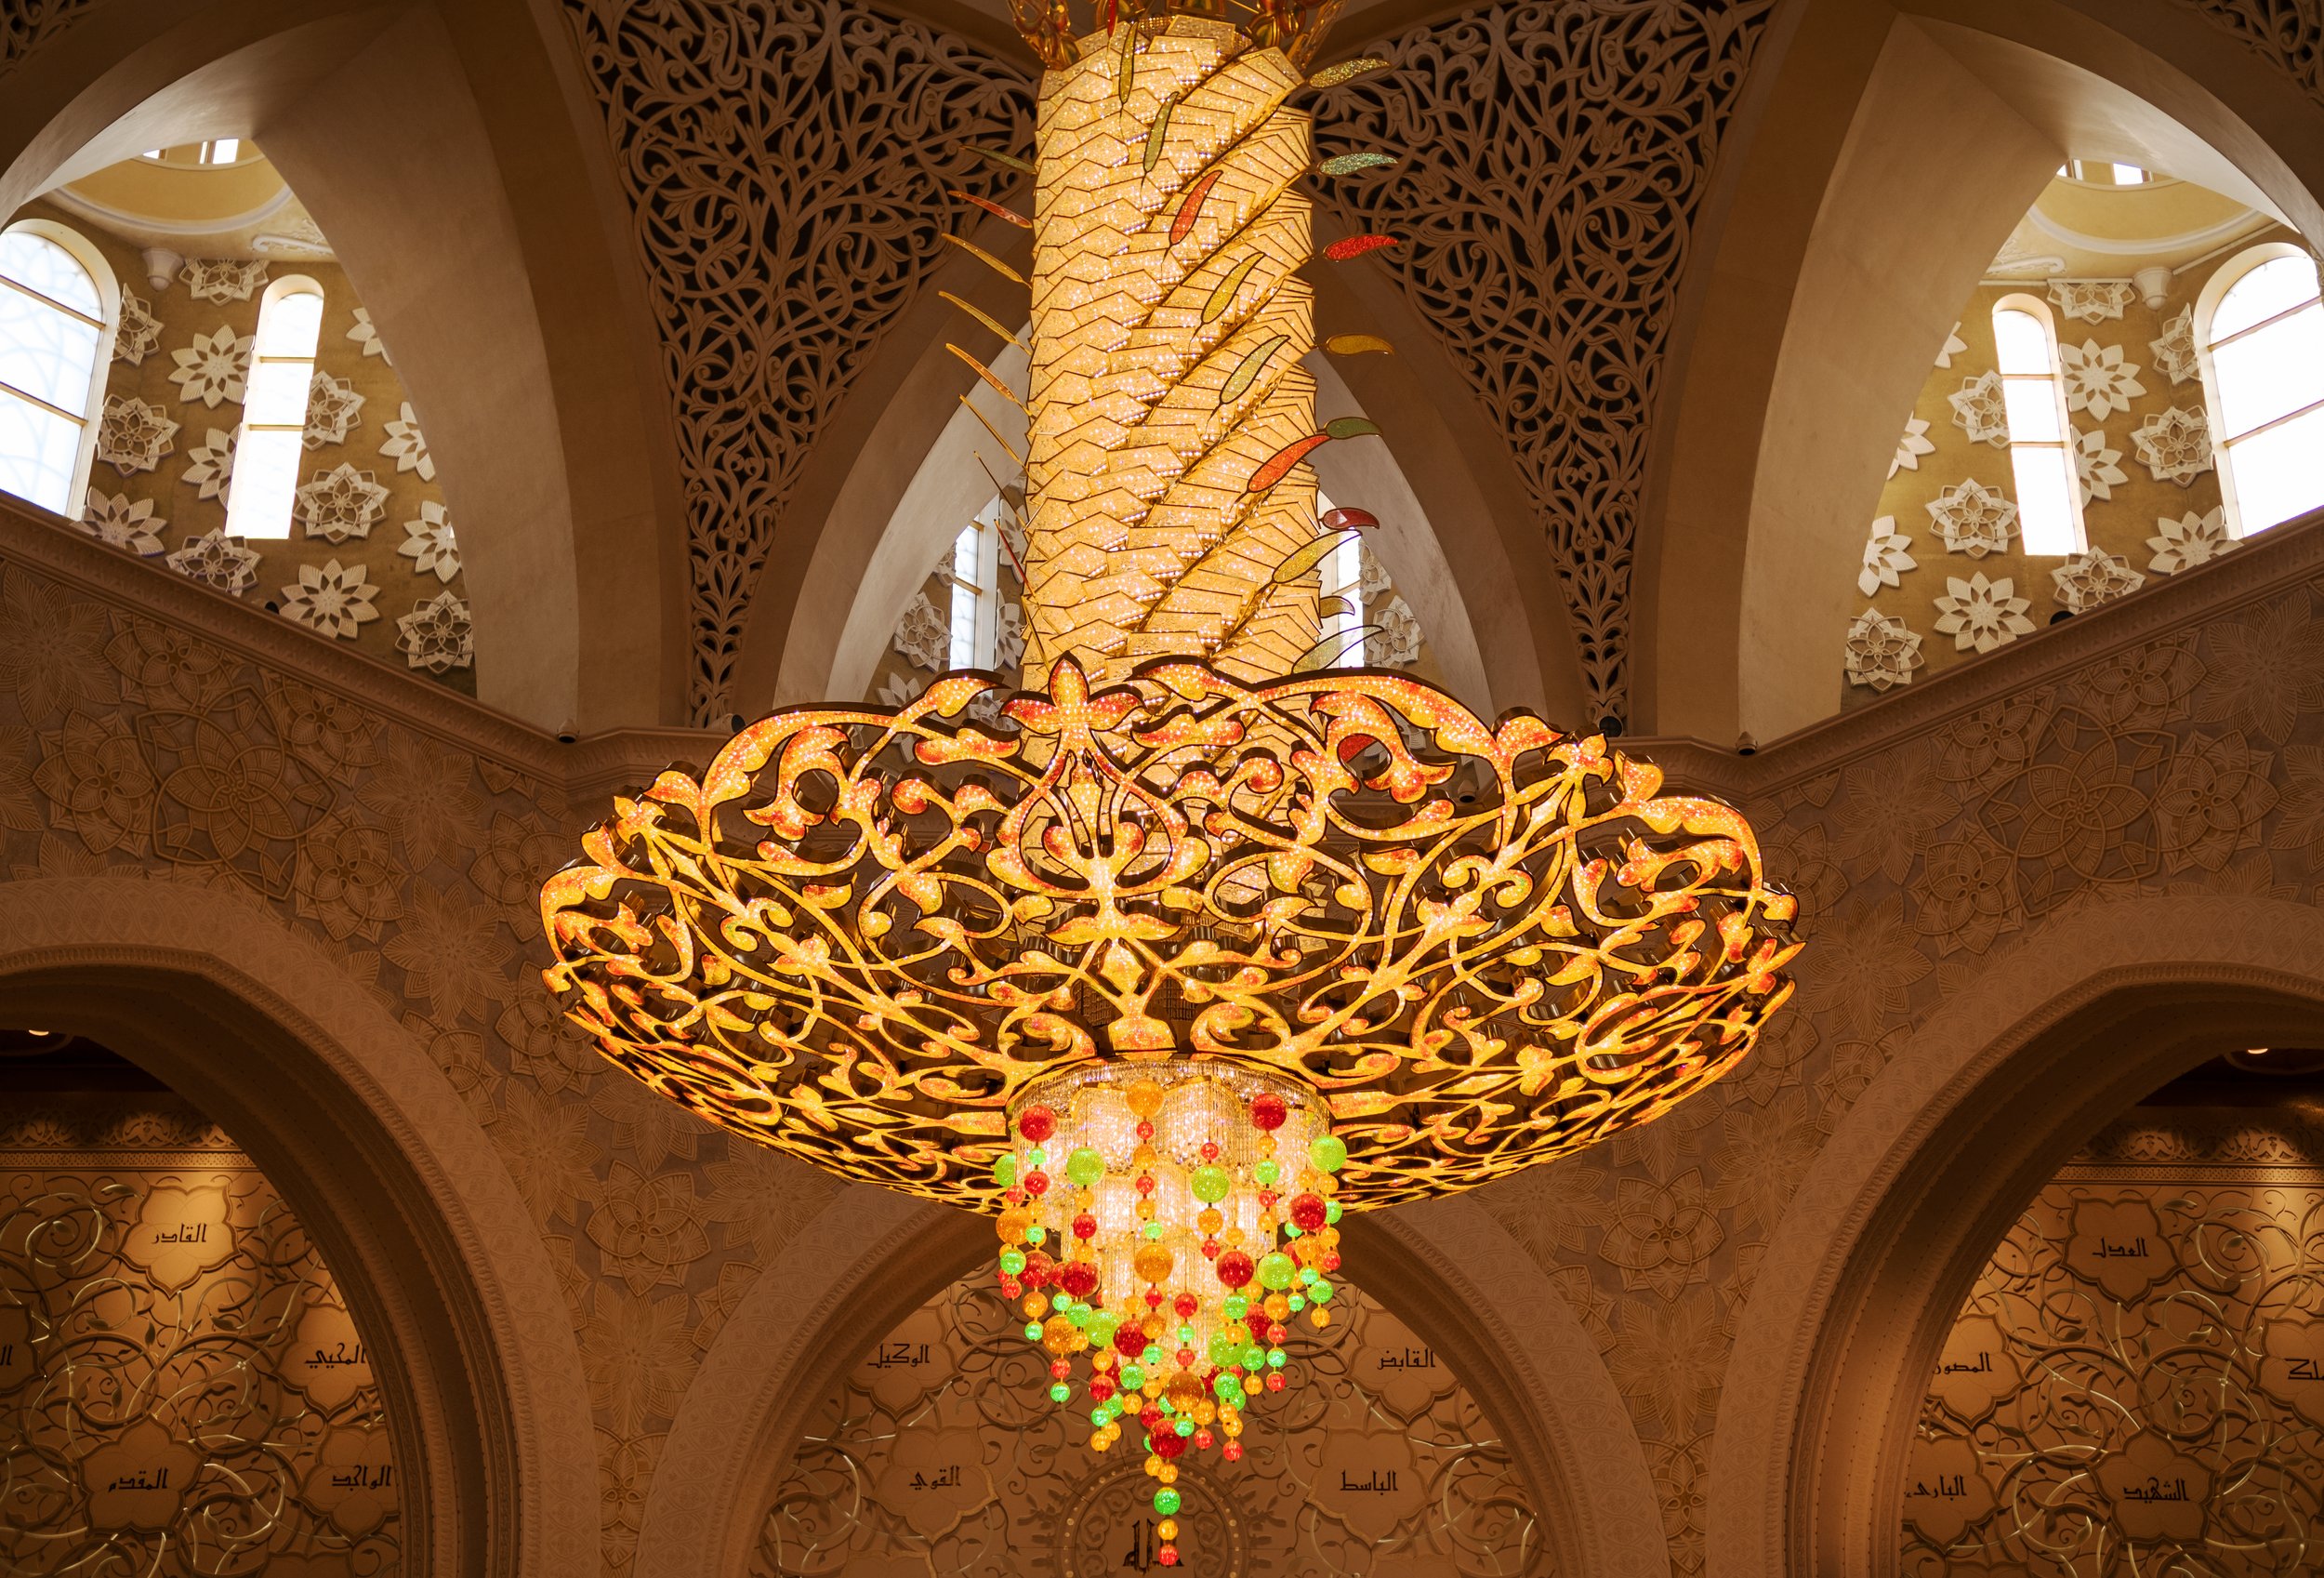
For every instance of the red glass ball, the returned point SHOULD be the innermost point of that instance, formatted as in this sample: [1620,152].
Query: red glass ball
[1231,1451]
[1331,1260]
[1186,1359]
[1037,1123]
[1202,1439]
[1100,1388]
[1010,1286]
[1186,1304]
[1169,1443]
[1210,1150]
[1167,1556]
[1308,1212]
[1211,1249]
[1059,1369]
[1275,1333]
[1151,1417]
[1085,1225]
[1267,1111]
[1236,1268]
[1038,1269]
[1145,1129]
[1146,1183]
[1036,1184]
[1129,1341]
[1078,1277]
[1275,1380]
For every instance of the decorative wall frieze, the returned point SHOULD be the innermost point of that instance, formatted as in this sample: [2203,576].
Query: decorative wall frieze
[787,168]
[1552,159]
[2288,34]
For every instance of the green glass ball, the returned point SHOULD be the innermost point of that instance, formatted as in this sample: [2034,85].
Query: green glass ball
[1132,1377]
[1277,1271]
[1060,1392]
[1267,1173]
[1209,1183]
[1033,1331]
[1320,1293]
[1005,1170]
[1237,1307]
[1329,1153]
[1184,1427]
[1013,1260]
[1101,1416]
[1037,1156]
[1297,1303]
[1166,1501]
[1332,1212]
[1084,1166]
[1275,1359]
[1253,1356]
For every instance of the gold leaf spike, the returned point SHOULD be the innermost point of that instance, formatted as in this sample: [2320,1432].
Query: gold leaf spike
[1223,298]
[1247,369]
[1007,448]
[1327,652]
[991,208]
[1334,604]
[973,311]
[1332,77]
[1005,160]
[1356,344]
[986,374]
[973,250]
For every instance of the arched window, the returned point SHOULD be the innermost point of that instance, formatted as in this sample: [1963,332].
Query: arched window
[974,576]
[1344,597]
[274,416]
[2040,446]
[58,307]
[2261,330]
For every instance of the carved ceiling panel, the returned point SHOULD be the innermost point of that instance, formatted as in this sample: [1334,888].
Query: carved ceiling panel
[941,1453]
[1554,157]
[786,167]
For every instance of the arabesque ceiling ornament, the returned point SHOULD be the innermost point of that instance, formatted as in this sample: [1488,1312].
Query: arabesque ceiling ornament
[1209,941]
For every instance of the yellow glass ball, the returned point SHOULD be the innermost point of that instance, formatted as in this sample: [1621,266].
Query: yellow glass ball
[1154,1466]
[1058,1335]
[1153,1262]
[1318,1316]
[1168,1473]
[1277,1307]
[1146,1098]
[1036,1305]
[1166,1529]
[1210,1222]
[1184,1390]
[1013,1222]
[1204,1412]
[1145,1211]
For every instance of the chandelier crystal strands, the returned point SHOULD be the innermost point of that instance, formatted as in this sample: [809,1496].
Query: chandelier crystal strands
[1206,941]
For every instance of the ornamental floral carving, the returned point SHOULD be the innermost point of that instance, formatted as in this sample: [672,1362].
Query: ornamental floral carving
[2093,577]
[436,635]
[2096,466]
[341,503]
[2174,352]
[216,559]
[115,521]
[429,543]
[1954,345]
[2174,445]
[334,410]
[924,636]
[1552,157]
[1982,613]
[1978,410]
[214,368]
[1912,446]
[1881,651]
[404,446]
[2193,538]
[1886,555]
[140,332]
[2097,380]
[2094,302]
[210,466]
[1397,643]
[365,335]
[332,599]
[133,436]
[1974,519]
[223,279]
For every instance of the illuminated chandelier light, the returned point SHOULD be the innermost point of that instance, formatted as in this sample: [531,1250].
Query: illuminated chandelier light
[1207,942]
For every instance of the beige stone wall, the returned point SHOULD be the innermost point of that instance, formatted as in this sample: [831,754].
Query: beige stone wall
[174,499]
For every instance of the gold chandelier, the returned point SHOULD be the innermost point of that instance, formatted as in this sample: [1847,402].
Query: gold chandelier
[1202,943]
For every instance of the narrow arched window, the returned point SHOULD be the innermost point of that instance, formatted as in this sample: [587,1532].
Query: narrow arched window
[1343,598]
[274,416]
[58,307]
[2040,447]
[2263,359]
[974,577]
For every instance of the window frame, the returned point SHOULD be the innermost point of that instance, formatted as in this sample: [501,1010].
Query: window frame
[84,252]
[983,592]
[2038,310]
[278,290]
[2207,304]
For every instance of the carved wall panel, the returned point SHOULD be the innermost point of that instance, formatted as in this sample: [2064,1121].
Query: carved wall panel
[181,1388]
[2136,1385]
[942,1453]
[1553,156]
[786,167]
[27,24]
[2288,34]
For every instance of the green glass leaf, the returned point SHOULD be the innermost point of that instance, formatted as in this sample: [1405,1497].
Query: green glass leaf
[1005,160]
[1352,427]
[1153,137]
[1327,652]
[1310,554]
[1349,164]
[1247,369]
